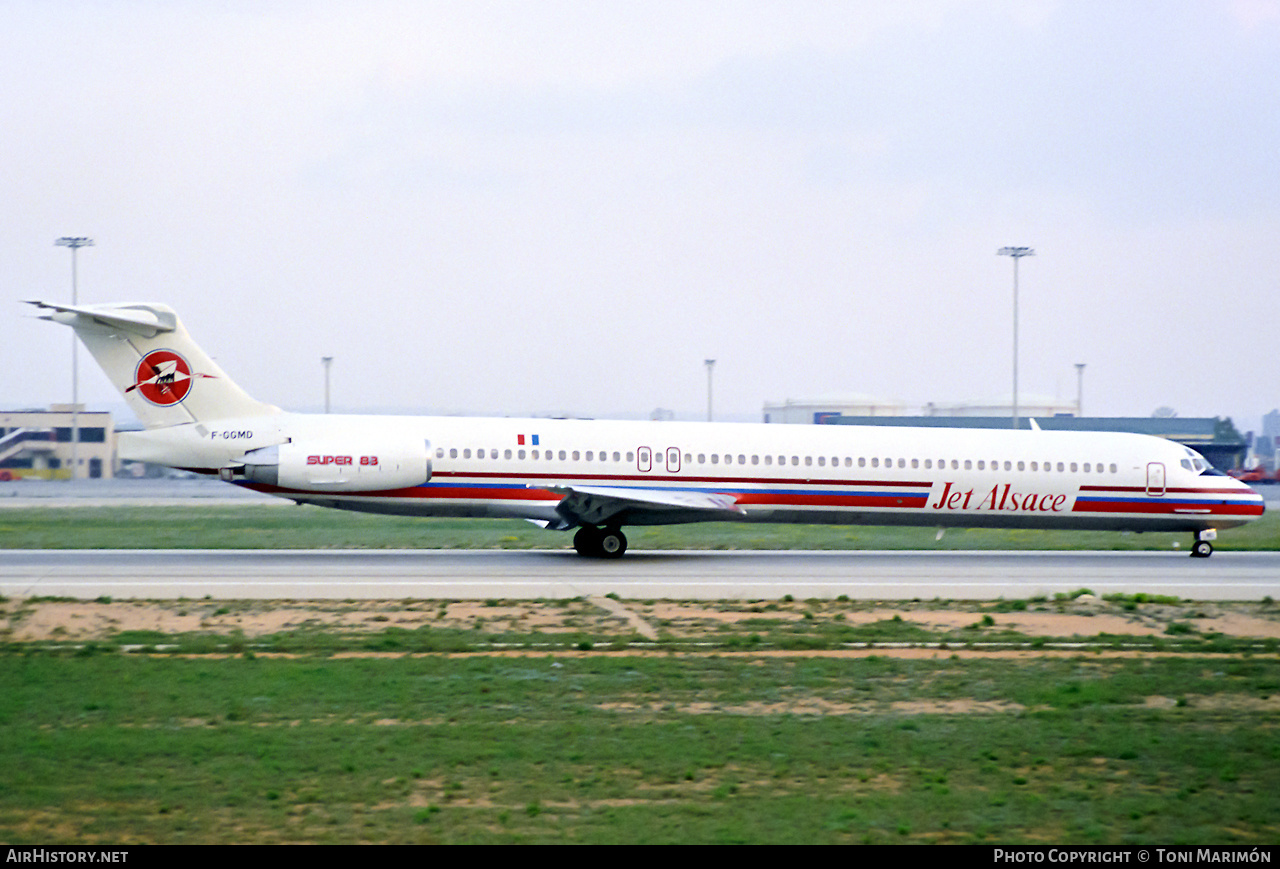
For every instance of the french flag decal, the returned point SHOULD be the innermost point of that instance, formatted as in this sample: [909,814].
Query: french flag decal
[533,440]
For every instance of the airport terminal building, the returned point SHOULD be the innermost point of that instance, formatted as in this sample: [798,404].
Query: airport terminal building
[40,444]
[1214,438]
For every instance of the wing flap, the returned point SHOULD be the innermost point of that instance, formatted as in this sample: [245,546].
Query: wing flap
[598,505]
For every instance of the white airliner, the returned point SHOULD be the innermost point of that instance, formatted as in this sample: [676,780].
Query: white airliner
[599,476]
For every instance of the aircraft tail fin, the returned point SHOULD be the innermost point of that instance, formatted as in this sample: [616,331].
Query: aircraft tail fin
[164,376]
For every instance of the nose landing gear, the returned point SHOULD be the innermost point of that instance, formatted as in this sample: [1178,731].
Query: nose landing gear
[593,542]
[1203,546]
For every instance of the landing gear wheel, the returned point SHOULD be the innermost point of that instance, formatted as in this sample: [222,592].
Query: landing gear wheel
[587,541]
[594,542]
[613,543]
[1201,549]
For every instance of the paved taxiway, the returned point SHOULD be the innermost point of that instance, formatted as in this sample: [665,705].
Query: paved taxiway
[459,575]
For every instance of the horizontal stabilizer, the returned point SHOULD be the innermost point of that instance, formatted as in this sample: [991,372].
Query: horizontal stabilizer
[141,320]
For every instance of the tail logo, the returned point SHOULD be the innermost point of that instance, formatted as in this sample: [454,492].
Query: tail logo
[163,378]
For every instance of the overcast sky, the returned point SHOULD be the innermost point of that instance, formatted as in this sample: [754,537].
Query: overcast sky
[565,207]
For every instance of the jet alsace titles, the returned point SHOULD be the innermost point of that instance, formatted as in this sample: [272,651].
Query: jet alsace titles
[600,476]
[1001,499]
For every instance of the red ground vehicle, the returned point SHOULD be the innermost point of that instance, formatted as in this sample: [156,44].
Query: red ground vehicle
[1257,475]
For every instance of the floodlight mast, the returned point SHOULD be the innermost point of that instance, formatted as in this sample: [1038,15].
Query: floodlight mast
[326,361]
[711,364]
[1017,253]
[75,243]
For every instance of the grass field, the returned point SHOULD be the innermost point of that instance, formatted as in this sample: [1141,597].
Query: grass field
[782,721]
[437,722]
[276,527]
[115,748]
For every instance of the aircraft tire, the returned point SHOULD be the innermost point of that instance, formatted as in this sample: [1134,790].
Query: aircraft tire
[587,541]
[613,543]
[1201,549]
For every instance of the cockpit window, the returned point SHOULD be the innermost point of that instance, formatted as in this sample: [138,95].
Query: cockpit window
[1199,465]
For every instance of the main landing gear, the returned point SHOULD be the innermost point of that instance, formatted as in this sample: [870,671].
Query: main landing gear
[594,542]
[1203,546]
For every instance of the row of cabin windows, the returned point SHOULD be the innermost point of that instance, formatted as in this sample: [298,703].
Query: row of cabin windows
[794,461]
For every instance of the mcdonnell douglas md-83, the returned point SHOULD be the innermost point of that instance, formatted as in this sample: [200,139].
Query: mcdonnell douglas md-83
[600,476]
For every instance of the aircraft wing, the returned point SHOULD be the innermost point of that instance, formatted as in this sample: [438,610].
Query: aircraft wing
[599,505]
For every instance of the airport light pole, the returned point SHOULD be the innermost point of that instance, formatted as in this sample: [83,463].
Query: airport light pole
[711,364]
[75,243]
[1017,253]
[327,361]
[1079,389]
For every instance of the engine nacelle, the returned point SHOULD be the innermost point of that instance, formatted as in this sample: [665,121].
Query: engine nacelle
[328,467]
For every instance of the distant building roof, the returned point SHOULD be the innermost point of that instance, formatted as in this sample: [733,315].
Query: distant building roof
[1182,429]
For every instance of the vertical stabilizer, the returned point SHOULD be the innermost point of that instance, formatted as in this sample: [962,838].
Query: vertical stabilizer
[164,376]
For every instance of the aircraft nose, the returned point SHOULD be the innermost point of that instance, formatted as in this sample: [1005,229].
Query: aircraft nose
[1246,489]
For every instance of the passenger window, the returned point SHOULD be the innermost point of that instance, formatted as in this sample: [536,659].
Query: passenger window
[928,464]
[466,454]
[1086,468]
[915,463]
[982,466]
[742,459]
[1113,469]
[768,460]
[968,465]
[715,459]
[521,454]
[1073,467]
[589,455]
[453,452]
[1035,466]
[875,463]
[506,454]
[822,461]
[439,452]
[1008,466]
[862,461]
[1022,466]
[795,460]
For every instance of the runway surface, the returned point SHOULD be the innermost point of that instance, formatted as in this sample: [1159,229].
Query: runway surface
[463,575]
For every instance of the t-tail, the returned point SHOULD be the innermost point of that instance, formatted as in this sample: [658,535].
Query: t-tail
[196,418]
[164,376]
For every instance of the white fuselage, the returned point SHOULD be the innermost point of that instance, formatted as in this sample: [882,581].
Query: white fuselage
[874,475]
